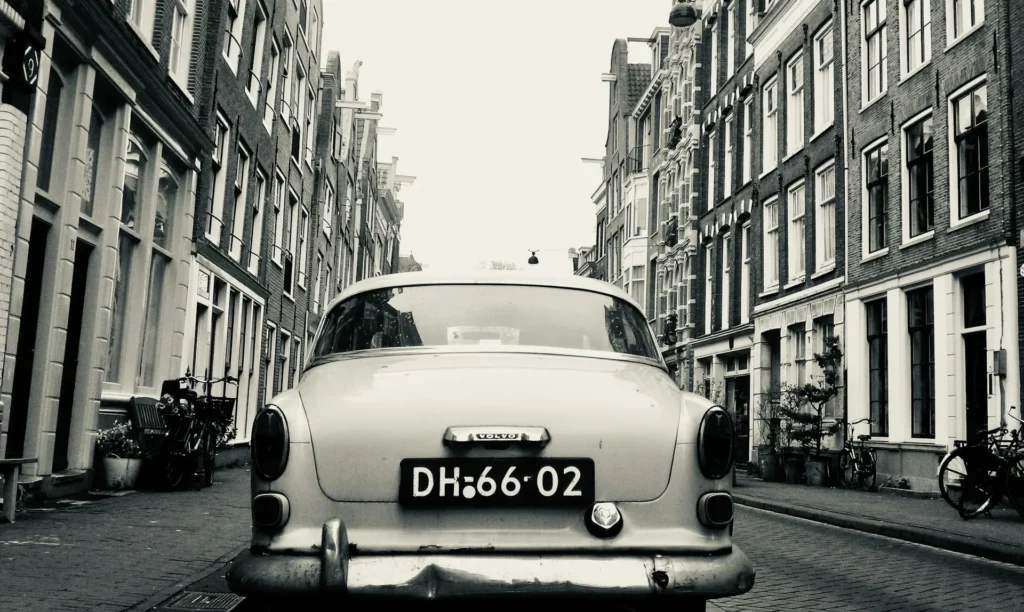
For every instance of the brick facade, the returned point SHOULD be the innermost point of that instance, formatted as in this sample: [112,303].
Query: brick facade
[12,156]
[1014,14]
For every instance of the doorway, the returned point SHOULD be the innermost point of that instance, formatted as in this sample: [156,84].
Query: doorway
[737,397]
[24,364]
[976,385]
[72,348]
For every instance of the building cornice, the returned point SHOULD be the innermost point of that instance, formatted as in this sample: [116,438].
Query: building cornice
[652,89]
[776,25]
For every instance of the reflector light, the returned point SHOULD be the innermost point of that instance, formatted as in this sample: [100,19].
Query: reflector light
[604,520]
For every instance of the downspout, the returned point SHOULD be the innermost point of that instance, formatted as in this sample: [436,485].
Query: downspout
[1011,314]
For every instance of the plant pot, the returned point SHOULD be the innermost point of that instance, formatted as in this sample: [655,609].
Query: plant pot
[793,468]
[768,464]
[817,472]
[121,473]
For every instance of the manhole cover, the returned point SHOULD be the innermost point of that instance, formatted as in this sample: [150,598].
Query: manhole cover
[213,602]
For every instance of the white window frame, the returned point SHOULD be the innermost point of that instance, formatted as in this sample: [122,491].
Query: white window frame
[713,64]
[142,17]
[951,19]
[222,143]
[288,66]
[745,273]
[905,212]
[796,238]
[824,80]
[708,286]
[770,124]
[770,209]
[270,106]
[243,159]
[254,84]
[923,51]
[286,365]
[729,149]
[881,30]
[750,25]
[823,263]
[316,283]
[256,233]
[271,376]
[294,206]
[748,140]
[328,220]
[279,193]
[182,9]
[954,160]
[730,42]
[726,278]
[795,97]
[866,252]
[237,27]
[712,153]
[301,269]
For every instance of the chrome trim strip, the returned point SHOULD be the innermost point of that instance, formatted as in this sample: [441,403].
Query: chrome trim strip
[532,436]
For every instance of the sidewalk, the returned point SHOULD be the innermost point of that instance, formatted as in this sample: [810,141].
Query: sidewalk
[118,552]
[924,521]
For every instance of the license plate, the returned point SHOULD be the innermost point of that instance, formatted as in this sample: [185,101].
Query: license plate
[523,481]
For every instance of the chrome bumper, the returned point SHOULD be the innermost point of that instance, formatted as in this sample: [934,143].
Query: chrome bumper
[443,576]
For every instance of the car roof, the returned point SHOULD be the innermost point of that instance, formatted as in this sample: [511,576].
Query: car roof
[482,277]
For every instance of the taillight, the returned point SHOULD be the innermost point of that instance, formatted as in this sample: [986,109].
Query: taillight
[270,443]
[715,443]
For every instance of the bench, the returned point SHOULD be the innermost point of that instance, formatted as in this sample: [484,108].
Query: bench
[10,469]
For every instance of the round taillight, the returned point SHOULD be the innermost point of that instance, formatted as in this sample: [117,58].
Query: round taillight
[715,443]
[270,443]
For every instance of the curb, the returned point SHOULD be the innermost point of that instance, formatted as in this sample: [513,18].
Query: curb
[166,593]
[993,551]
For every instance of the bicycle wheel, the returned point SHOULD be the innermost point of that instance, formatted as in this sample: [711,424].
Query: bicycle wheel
[1015,484]
[953,472]
[846,468]
[209,460]
[867,470]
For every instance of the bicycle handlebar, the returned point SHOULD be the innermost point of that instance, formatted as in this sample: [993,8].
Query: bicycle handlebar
[207,381]
[867,419]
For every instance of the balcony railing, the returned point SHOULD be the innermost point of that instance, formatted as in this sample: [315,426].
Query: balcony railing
[236,247]
[232,49]
[254,263]
[214,229]
[638,159]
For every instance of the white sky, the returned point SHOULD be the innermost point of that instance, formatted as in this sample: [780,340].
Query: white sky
[494,104]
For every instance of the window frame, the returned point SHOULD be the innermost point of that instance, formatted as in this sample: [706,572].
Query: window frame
[796,208]
[745,272]
[907,170]
[927,330]
[772,264]
[908,54]
[880,337]
[709,286]
[748,140]
[770,125]
[823,92]
[726,279]
[867,35]
[881,147]
[727,165]
[955,171]
[795,92]
[823,263]
[952,36]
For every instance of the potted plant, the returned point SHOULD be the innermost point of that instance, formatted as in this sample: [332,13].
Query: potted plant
[122,456]
[804,406]
[769,422]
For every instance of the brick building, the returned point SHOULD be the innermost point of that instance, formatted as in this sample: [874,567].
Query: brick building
[102,262]
[797,220]
[599,268]
[931,318]
[1015,142]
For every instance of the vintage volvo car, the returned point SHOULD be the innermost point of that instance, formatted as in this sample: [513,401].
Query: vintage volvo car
[490,434]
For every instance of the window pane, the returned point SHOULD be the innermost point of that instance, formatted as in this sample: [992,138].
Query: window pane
[92,162]
[973,287]
[167,191]
[50,119]
[134,167]
[151,328]
[119,307]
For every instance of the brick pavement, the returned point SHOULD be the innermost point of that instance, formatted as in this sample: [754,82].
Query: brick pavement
[115,553]
[924,521]
[803,565]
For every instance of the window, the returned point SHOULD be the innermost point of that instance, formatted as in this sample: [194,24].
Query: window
[750,25]
[973,289]
[288,67]
[798,336]
[922,362]
[256,241]
[730,41]
[271,379]
[726,278]
[328,221]
[278,218]
[708,288]
[215,216]
[825,234]
[797,235]
[970,137]
[920,177]
[302,241]
[233,34]
[256,53]
[298,103]
[824,80]
[712,199]
[142,14]
[286,360]
[795,104]
[771,244]
[316,283]
[727,170]
[92,161]
[771,126]
[824,329]
[748,139]
[876,162]
[878,366]
[745,274]
[713,64]
[271,103]
[293,233]
[303,17]
[51,117]
[181,39]
[239,194]
[967,15]
[917,20]
[877,62]
[310,115]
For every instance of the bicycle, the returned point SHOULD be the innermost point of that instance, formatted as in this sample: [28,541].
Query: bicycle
[973,478]
[857,460]
[197,425]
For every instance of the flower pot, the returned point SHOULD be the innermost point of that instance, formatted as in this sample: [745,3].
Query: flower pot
[121,473]
[768,464]
[817,472]
[793,468]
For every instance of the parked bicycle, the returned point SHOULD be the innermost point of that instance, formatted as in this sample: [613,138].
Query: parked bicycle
[857,461]
[197,425]
[973,478]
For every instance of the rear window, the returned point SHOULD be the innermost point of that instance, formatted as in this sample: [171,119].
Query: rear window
[485,315]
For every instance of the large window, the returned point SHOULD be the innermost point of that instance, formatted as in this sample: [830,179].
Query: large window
[233,34]
[876,166]
[253,86]
[712,196]
[256,241]
[181,40]
[878,365]
[795,104]
[825,218]
[771,244]
[730,41]
[713,65]
[708,287]
[824,80]
[876,57]
[797,204]
[51,117]
[270,105]
[748,139]
[917,20]
[745,274]
[472,317]
[726,278]
[967,15]
[921,326]
[920,177]
[770,114]
[92,162]
[970,137]
[727,167]
[277,249]
[239,195]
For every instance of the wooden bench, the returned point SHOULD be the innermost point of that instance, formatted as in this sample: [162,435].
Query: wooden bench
[11,469]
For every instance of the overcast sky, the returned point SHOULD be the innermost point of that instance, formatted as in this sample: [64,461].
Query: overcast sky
[495,104]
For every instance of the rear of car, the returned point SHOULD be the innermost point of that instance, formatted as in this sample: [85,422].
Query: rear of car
[490,439]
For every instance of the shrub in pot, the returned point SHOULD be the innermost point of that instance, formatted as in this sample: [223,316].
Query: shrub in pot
[768,413]
[122,456]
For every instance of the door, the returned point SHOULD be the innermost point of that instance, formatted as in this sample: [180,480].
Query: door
[976,384]
[69,377]
[25,360]
[737,402]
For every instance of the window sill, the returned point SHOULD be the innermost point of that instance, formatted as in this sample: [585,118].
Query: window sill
[769,292]
[296,163]
[289,297]
[822,131]
[880,253]
[232,68]
[145,39]
[793,284]
[868,104]
[277,263]
[967,34]
[767,172]
[906,76]
[794,153]
[909,242]
[968,221]
[829,269]
[182,87]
